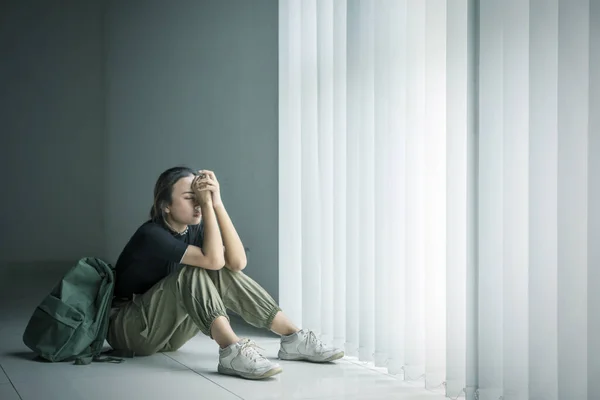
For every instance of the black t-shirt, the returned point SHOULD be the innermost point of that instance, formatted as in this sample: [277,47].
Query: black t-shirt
[152,253]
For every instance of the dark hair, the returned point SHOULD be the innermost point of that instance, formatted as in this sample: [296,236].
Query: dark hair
[163,189]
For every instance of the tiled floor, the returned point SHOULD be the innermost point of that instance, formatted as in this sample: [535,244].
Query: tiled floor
[189,373]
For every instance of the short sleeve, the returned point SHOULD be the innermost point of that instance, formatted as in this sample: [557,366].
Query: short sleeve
[159,243]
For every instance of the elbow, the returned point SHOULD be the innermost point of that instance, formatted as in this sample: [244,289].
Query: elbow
[217,263]
[237,264]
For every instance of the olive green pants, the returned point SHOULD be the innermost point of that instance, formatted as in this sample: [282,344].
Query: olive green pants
[183,304]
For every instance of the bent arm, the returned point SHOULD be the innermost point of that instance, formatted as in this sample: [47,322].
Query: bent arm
[210,256]
[235,255]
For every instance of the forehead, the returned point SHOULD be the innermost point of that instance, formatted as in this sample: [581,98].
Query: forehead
[183,185]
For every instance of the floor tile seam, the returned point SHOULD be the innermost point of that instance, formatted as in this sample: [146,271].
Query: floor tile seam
[205,377]
[10,382]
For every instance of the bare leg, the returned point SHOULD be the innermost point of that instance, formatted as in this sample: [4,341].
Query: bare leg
[282,325]
[222,332]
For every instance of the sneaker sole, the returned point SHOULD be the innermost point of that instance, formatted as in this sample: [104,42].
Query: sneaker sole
[299,357]
[232,372]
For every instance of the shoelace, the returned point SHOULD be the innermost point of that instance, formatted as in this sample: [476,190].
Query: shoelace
[314,339]
[248,349]
[252,343]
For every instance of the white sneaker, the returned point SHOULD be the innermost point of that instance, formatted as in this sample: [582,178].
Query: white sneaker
[304,345]
[242,359]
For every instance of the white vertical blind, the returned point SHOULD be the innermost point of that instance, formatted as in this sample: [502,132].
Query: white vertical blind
[397,222]
[435,190]
[365,179]
[396,156]
[573,124]
[383,190]
[290,169]
[353,182]
[471,285]
[340,166]
[326,85]
[533,209]
[457,173]
[373,83]
[515,192]
[414,362]
[594,205]
[491,204]
[311,176]
[543,152]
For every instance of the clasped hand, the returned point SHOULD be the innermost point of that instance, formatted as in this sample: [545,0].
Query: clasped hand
[207,189]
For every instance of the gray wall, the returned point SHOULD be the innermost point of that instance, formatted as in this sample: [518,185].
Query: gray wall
[98,97]
[195,82]
[52,146]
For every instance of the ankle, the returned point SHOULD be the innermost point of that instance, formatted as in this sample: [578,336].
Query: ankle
[226,344]
[290,332]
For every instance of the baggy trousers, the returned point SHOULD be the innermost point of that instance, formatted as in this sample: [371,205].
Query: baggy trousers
[184,303]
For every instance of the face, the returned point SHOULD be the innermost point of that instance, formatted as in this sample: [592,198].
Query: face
[182,209]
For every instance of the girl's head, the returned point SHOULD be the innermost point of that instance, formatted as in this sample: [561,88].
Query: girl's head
[174,199]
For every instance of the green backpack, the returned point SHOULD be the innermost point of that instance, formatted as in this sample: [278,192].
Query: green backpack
[71,323]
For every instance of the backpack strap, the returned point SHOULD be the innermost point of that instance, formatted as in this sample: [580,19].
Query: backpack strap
[86,360]
[94,352]
[120,353]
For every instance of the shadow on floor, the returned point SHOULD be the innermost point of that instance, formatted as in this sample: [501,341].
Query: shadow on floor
[26,355]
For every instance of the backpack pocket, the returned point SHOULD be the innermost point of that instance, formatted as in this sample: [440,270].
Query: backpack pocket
[51,328]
